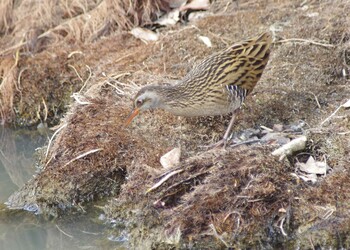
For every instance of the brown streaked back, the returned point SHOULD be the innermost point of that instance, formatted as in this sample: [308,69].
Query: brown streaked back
[240,65]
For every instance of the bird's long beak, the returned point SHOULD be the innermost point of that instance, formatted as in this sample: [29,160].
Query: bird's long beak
[134,113]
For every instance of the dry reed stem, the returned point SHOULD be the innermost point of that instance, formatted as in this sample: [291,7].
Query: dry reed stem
[83,155]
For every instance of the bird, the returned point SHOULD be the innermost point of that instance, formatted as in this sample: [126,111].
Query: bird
[218,85]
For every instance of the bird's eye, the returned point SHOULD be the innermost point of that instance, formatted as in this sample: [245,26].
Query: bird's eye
[138,103]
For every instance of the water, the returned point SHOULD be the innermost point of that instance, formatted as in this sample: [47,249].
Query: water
[23,230]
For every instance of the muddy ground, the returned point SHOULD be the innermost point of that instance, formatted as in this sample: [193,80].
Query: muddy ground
[240,197]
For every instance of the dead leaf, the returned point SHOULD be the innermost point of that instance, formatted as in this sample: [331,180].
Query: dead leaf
[205,40]
[313,167]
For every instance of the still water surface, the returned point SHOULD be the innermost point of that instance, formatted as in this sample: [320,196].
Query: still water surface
[24,230]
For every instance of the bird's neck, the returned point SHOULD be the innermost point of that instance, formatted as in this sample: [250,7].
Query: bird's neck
[174,99]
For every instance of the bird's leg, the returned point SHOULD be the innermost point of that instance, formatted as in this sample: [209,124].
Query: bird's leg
[229,128]
[223,141]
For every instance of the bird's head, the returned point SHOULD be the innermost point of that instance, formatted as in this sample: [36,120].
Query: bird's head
[148,97]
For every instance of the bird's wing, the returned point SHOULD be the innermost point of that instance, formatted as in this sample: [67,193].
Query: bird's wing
[240,65]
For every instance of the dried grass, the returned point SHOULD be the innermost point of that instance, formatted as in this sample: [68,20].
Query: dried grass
[242,197]
[61,22]
[31,27]
[8,86]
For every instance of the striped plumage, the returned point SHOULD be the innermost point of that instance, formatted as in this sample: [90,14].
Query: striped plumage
[217,85]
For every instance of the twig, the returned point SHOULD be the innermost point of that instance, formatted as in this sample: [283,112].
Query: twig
[266,128]
[316,99]
[76,72]
[114,78]
[20,44]
[77,98]
[19,77]
[123,57]
[118,90]
[281,227]
[75,52]
[255,200]
[59,229]
[45,108]
[86,232]
[344,133]
[187,179]
[306,41]
[312,243]
[329,117]
[215,233]
[90,73]
[83,155]
[164,179]
[54,134]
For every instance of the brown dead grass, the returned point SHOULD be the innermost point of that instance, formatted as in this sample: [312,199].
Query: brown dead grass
[8,85]
[30,27]
[241,196]
[91,164]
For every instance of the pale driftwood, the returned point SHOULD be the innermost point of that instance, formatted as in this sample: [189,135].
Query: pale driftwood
[291,147]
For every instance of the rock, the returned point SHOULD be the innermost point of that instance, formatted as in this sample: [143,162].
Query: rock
[171,159]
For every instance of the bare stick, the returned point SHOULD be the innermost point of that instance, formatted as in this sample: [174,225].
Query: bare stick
[344,105]
[164,179]
[45,108]
[87,66]
[306,41]
[188,179]
[76,72]
[54,134]
[83,155]
[289,148]
[281,227]
[316,99]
